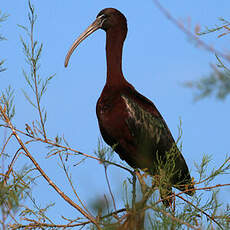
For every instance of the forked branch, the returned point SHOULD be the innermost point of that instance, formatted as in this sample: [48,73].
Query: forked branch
[56,188]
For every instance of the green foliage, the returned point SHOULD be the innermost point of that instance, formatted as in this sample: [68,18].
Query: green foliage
[36,83]
[104,153]
[1,66]
[203,210]
[222,27]
[37,212]
[3,18]
[13,192]
[218,82]
[202,168]
[7,100]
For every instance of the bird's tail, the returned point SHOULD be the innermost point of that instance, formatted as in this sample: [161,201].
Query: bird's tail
[166,192]
[165,184]
[187,187]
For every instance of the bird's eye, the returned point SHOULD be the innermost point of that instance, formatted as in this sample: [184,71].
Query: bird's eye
[103,19]
[103,16]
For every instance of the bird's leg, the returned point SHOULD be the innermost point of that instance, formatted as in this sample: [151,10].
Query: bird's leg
[134,190]
[136,215]
[174,203]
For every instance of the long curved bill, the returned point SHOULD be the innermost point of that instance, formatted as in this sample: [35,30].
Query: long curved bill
[92,28]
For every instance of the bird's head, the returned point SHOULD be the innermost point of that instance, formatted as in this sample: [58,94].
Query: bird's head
[107,19]
[111,18]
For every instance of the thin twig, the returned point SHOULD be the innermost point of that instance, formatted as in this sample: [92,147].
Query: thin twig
[194,189]
[178,220]
[16,155]
[189,33]
[50,142]
[110,190]
[38,224]
[40,212]
[114,213]
[134,183]
[205,213]
[4,146]
[70,225]
[219,169]
[65,197]
[35,74]
[71,184]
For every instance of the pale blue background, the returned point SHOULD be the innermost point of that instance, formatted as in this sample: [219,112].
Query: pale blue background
[157,59]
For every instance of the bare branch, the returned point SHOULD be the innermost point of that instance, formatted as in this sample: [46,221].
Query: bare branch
[10,168]
[64,196]
[71,184]
[110,190]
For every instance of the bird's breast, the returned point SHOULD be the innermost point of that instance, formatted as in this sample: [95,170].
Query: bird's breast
[128,127]
[111,114]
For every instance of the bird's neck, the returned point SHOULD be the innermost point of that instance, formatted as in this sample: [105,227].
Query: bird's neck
[114,46]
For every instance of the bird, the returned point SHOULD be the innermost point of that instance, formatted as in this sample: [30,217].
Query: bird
[128,121]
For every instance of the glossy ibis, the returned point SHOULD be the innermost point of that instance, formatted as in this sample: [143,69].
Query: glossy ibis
[131,122]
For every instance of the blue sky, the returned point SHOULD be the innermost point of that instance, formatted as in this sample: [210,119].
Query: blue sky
[157,59]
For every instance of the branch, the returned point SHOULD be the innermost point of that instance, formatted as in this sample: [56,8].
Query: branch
[178,220]
[34,66]
[65,197]
[194,189]
[16,155]
[189,33]
[39,225]
[110,190]
[205,213]
[4,146]
[71,184]
[50,142]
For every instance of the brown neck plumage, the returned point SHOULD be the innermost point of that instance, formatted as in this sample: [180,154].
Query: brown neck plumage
[114,45]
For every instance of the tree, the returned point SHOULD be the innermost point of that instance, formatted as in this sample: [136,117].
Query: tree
[141,207]
[219,80]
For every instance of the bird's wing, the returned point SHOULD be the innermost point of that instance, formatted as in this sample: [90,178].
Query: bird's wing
[154,140]
[147,127]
